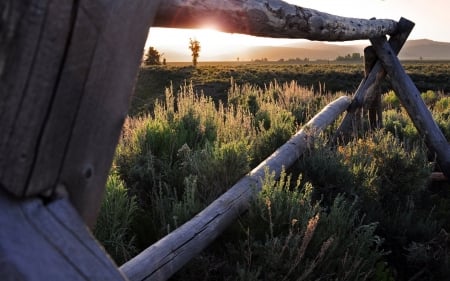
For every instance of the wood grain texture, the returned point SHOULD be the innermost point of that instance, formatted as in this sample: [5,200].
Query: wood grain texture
[371,82]
[104,105]
[35,53]
[372,101]
[66,92]
[49,242]
[165,257]
[411,100]
[269,18]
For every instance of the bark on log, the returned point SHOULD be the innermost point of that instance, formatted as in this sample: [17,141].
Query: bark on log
[168,255]
[269,18]
[370,83]
[409,97]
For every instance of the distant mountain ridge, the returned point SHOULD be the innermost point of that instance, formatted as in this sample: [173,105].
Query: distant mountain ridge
[413,50]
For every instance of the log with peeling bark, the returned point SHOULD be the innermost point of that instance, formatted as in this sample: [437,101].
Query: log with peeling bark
[268,18]
[165,257]
[409,97]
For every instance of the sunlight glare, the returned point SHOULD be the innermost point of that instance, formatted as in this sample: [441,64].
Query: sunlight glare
[214,44]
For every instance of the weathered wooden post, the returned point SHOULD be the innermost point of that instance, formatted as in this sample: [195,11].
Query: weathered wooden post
[372,100]
[409,97]
[67,70]
[370,83]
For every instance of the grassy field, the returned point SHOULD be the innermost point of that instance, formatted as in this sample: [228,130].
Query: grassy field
[215,78]
[362,210]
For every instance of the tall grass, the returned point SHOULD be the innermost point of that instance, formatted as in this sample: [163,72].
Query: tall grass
[359,211]
[191,148]
[113,227]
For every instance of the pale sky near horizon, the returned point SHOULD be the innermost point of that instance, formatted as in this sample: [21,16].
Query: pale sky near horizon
[432,19]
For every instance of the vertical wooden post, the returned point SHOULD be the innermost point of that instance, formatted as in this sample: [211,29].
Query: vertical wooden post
[372,100]
[410,98]
[67,72]
[368,84]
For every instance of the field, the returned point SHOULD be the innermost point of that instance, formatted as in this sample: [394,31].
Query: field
[214,78]
[359,210]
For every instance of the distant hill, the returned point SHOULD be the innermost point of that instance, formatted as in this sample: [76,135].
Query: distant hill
[427,49]
[413,50]
[313,51]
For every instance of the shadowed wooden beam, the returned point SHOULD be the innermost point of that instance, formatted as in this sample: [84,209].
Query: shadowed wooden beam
[168,255]
[372,102]
[409,97]
[67,70]
[370,83]
[269,18]
[49,241]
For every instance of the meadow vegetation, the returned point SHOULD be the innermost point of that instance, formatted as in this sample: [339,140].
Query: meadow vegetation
[362,210]
[214,79]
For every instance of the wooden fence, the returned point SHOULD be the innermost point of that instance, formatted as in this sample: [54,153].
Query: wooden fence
[67,69]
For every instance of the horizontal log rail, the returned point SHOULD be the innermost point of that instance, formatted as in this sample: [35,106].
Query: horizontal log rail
[269,18]
[168,255]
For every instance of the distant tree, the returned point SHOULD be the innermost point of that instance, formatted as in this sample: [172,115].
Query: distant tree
[356,56]
[350,57]
[194,46]
[153,57]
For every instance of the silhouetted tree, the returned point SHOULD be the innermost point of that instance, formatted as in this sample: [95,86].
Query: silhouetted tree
[153,57]
[194,46]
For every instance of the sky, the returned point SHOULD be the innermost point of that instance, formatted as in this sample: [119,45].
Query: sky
[431,17]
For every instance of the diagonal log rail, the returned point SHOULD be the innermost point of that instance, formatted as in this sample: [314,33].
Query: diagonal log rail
[269,18]
[409,97]
[168,255]
[370,83]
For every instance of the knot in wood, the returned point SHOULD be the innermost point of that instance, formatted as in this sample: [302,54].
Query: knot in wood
[88,171]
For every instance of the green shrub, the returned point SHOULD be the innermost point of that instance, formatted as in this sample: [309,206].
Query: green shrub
[402,171]
[113,227]
[398,123]
[216,168]
[326,170]
[395,177]
[391,101]
[443,104]
[441,114]
[287,237]
[429,97]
